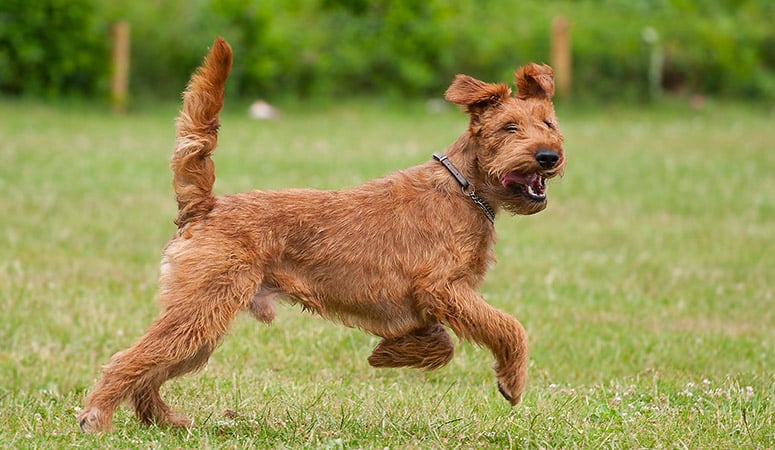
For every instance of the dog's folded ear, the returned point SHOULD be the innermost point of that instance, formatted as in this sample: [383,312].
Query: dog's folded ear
[535,80]
[472,93]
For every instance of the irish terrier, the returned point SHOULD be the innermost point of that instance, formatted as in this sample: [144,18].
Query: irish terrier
[400,257]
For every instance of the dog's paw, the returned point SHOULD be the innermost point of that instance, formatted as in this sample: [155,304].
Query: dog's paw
[178,421]
[514,400]
[91,420]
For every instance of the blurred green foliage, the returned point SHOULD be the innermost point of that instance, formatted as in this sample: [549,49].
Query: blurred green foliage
[326,48]
[51,47]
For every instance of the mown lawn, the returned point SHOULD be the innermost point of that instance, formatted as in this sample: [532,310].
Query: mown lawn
[647,286]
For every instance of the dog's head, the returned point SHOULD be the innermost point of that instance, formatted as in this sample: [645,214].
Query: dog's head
[517,145]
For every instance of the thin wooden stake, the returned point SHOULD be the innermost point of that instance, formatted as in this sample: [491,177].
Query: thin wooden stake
[119,83]
[561,56]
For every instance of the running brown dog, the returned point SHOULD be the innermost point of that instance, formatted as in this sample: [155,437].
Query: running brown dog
[400,257]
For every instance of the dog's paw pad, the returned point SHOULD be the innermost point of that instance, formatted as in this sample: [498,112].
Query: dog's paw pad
[92,421]
[503,392]
[507,396]
[88,426]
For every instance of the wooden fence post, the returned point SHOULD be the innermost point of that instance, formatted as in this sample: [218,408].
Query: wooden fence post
[656,62]
[119,82]
[561,56]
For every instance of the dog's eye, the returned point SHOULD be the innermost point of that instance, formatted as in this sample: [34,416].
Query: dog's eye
[549,124]
[511,128]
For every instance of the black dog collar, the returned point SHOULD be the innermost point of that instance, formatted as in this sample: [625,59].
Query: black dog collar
[467,187]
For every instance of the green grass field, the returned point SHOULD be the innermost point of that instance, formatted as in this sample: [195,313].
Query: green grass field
[647,286]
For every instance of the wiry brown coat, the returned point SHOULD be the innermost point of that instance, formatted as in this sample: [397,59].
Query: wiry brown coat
[399,257]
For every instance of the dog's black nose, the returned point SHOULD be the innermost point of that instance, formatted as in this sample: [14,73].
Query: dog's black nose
[547,158]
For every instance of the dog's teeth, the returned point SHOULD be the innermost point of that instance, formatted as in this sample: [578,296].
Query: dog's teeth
[532,193]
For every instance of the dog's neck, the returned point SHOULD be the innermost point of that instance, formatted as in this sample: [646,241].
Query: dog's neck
[462,153]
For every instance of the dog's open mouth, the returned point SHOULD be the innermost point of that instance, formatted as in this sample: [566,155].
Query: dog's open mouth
[532,186]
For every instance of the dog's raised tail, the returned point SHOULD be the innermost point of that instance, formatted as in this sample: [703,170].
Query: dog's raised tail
[193,171]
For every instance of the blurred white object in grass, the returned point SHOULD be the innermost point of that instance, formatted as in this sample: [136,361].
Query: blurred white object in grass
[261,110]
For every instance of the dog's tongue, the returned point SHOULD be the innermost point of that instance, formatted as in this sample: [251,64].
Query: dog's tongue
[512,178]
[533,185]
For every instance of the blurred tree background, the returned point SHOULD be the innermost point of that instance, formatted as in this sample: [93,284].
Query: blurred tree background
[328,48]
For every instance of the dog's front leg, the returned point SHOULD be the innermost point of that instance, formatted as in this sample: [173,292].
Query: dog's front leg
[471,318]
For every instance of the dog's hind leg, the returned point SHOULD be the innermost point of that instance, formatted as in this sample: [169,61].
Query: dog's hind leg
[429,348]
[148,404]
[180,340]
